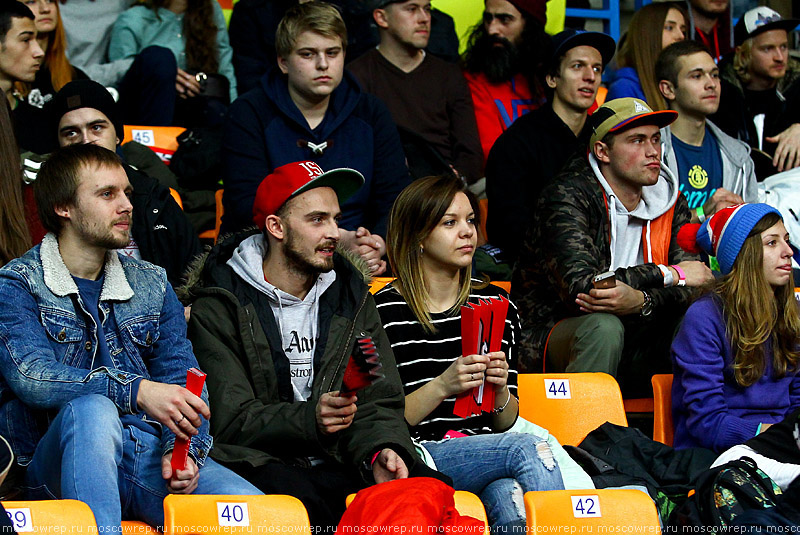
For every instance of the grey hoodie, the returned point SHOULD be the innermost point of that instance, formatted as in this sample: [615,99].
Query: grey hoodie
[626,227]
[738,172]
[88,25]
[297,318]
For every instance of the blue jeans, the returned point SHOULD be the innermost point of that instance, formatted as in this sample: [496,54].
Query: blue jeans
[499,468]
[147,91]
[87,454]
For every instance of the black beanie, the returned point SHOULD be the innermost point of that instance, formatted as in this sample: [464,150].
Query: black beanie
[85,94]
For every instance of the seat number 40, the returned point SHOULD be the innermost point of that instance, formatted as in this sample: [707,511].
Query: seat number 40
[233,514]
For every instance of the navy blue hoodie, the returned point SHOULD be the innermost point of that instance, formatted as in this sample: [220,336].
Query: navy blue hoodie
[265,130]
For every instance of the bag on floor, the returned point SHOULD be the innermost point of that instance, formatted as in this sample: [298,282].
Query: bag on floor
[725,492]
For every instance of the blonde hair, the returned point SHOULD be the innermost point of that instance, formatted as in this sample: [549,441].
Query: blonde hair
[741,61]
[318,17]
[415,213]
[756,312]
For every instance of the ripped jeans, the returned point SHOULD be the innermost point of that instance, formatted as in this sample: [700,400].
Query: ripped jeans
[499,468]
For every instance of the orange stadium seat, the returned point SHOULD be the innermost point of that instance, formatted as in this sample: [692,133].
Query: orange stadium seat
[163,140]
[197,513]
[662,415]
[570,405]
[51,516]
[591,511]
[213,234]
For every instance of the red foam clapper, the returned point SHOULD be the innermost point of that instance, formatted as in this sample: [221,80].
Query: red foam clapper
[363,368]
[195,379]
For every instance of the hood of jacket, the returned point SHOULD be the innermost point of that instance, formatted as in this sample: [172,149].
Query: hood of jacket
[211,269]
[246,261]
[738,174]
[736,151]
[342,102]
[656,199]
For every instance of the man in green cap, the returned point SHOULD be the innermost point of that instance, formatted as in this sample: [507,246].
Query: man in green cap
[615,209]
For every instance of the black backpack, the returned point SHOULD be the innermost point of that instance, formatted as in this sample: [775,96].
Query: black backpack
[723,493]
[198,160]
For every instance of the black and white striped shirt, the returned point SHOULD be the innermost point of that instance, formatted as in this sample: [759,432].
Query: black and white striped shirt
[422,356]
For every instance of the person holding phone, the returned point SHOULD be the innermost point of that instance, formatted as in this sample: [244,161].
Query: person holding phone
[616,209]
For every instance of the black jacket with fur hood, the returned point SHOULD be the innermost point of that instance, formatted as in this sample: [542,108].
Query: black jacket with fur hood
[255,419]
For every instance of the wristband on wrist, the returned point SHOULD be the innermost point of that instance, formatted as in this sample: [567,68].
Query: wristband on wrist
[374,457]
[498,410]
[666,273]
[701,215]
[681,275]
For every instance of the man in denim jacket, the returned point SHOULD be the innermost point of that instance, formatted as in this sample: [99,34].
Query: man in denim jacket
[93,353]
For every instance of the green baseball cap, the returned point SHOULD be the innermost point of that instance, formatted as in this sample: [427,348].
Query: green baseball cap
[623,113]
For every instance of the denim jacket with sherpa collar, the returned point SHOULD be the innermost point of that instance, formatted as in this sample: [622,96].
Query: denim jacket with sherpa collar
[48,343]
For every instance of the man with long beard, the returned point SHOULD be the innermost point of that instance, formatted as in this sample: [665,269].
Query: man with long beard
[504,65]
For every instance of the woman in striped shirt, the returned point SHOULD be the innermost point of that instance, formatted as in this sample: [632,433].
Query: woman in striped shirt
[431,240]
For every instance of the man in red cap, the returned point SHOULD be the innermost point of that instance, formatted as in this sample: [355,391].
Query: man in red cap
[505,64]
[276,317]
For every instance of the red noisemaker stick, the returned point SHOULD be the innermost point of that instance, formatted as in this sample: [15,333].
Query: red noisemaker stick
[195,379]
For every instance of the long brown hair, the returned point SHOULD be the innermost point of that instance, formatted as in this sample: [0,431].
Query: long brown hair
[200,31]
[55,58]
[640,47]
[756,313]
[14,236]
[415,213]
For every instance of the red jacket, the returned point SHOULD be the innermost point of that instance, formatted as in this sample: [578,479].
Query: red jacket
[416,502]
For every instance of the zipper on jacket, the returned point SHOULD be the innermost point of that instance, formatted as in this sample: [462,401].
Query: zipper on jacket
[250,325]
[347,341]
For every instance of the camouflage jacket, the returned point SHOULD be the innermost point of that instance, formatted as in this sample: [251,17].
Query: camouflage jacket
[567,244]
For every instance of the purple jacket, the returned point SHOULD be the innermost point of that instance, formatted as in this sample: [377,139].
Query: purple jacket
[709,409]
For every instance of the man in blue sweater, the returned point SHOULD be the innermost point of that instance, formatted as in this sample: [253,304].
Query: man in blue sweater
[309,109]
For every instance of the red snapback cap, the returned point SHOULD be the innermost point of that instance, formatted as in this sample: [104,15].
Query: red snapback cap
[294,178]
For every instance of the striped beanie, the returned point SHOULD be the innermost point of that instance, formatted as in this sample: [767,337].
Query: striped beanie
[723,234]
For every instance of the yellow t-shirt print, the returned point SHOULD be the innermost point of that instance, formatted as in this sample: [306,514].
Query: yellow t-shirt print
[698,177]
